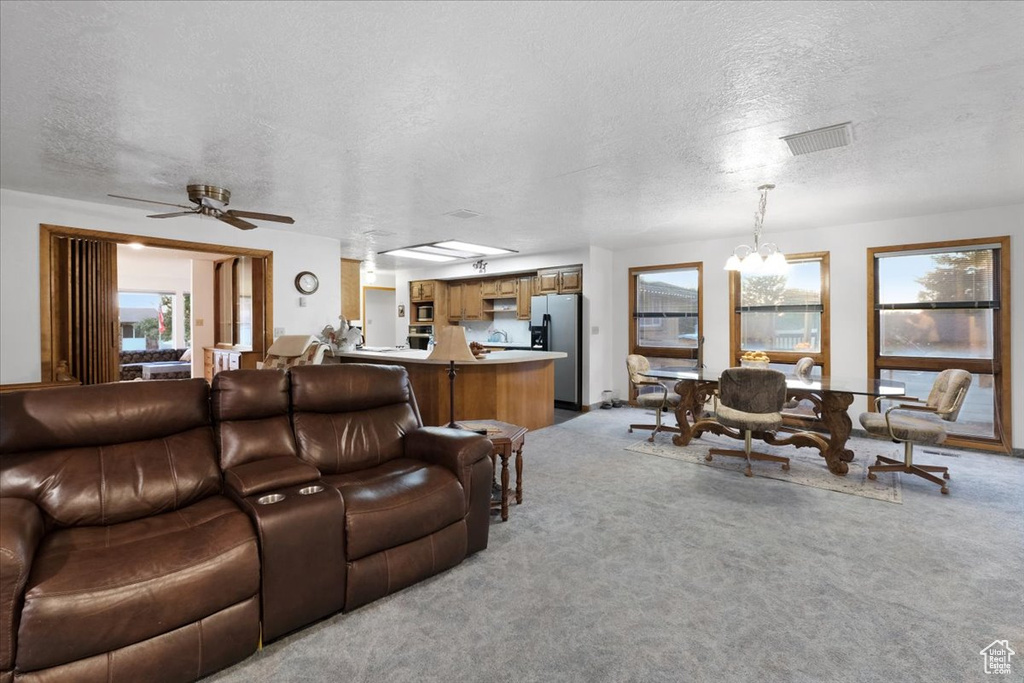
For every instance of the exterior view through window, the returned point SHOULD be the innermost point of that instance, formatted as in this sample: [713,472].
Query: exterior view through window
[785,315]
[938,307]
[147,320]
[665,319]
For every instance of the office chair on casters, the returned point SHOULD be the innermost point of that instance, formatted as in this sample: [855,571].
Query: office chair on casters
[751,399]
[650,394]
[915,423]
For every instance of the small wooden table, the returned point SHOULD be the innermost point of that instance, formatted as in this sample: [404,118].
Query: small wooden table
[506,439]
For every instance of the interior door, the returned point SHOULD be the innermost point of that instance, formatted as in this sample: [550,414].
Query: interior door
[82,328]
[380,323]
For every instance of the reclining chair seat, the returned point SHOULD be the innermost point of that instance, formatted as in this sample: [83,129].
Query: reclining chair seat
[395,503]
[97,589]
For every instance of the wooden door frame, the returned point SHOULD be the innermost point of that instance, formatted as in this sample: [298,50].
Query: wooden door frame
[47,285]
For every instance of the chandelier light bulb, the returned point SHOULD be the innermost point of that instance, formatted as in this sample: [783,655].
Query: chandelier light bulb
[733,263]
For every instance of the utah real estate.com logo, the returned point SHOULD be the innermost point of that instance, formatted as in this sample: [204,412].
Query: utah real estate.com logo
[997,657]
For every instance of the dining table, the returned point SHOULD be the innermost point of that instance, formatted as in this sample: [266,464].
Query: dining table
[830,398]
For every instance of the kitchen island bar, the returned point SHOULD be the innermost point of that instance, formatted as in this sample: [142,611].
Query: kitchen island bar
[517,387]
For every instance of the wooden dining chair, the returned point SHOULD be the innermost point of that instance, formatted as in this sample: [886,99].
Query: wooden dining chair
[650,393]
[924,423]
[751,399]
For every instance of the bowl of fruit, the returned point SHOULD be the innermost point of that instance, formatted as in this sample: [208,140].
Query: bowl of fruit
[755,359]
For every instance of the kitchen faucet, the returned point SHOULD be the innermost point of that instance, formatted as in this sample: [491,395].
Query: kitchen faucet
[497,335]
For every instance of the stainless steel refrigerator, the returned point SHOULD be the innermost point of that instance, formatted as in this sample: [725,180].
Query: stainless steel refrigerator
[555,321]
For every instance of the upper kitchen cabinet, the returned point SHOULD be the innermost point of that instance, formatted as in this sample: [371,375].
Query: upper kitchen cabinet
[506,288]
[566,280]
[523,298]
[422,290]
[489,289]
[465,301]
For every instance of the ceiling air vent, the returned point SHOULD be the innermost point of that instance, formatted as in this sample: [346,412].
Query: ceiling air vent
[462,213]
[820,139]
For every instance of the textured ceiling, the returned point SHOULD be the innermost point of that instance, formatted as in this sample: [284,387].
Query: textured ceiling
[562,123]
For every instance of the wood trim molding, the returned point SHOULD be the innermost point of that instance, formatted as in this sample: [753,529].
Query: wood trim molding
[49,281]
[999,366]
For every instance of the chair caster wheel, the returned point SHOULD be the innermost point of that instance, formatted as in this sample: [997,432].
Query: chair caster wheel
[630,430]
[945,490]
[748,472]
[945,475]
[707,458]
[785,466]
[872,476]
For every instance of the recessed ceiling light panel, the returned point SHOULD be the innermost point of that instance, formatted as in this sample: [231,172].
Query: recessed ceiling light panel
[474,248]
[449,250]
[820,139]
[409,253]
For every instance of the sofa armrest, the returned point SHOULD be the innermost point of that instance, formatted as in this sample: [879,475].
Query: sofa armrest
[21,529]
[456,449]
[268,474]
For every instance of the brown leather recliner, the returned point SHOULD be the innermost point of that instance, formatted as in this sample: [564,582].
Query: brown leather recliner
[119,557]
[300,521]
[416,498]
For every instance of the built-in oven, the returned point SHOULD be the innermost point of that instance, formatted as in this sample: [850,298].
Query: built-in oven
[420,336]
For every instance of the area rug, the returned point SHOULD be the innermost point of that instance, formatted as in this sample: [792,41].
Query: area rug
[807,467]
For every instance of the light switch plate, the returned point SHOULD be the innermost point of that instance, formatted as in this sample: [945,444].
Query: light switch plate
[595,330]
[199,322]
[302,302]
[278,332]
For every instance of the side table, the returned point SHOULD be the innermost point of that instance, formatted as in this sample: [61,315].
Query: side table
[506,439]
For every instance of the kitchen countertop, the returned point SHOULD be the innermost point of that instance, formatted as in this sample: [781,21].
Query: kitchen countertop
[493,358]
[505,345]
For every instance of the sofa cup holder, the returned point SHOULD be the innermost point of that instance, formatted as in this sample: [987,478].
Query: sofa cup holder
[310,490]
[270,499]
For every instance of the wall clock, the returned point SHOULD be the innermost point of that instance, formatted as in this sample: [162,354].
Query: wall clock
[306,282]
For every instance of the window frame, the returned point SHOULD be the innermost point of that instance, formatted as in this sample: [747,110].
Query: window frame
[998,366]
[823,356]
[664,351]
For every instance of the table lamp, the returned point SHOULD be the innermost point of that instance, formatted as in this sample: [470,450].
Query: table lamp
[451,345]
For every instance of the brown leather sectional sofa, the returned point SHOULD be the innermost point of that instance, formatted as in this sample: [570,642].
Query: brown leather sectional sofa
[152,531]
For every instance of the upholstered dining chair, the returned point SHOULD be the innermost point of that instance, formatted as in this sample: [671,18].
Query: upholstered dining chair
[650,394]
[910,423]
[804,368]
[751,399]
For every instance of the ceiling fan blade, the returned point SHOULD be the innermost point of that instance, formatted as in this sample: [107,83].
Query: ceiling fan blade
[173,215]
[262,216]
[237,222]
[147,201]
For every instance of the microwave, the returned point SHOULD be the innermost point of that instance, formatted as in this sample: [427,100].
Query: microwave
[424,313]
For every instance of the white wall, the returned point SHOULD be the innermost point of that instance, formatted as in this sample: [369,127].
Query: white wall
[847,245]
[20,216]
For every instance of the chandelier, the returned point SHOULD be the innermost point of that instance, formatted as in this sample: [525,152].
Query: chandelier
[761,258]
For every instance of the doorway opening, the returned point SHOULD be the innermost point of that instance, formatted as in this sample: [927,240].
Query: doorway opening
[379,326]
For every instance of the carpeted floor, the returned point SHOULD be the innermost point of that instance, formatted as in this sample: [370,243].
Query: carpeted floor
[621,566]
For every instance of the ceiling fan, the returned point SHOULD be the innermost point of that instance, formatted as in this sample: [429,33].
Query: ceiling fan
[212,201]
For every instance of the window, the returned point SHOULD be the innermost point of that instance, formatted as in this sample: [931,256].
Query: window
[786,316]
[146,320]
[939,306]
[665,311]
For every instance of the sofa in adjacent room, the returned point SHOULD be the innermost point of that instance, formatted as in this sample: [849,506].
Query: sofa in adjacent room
[174,364]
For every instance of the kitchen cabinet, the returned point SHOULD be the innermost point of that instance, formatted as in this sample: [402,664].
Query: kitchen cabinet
[472,302]
[465,301]
[217,359]
[523,298]
[422,290]
[568,280]
[547,282]
[534,285]
[507,288]
[489,289]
